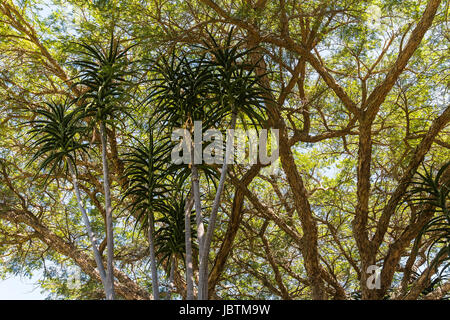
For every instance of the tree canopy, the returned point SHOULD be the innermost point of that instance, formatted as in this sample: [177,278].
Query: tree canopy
[355,207]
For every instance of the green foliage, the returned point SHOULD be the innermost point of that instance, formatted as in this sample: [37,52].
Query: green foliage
[103,80]
[179,89]
[431,193]
[169,237]
[147,176]
[198,68]
[235,86]
[55,136]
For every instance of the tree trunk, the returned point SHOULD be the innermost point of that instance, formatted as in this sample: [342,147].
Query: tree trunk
[171,277]
[198,211]
[203,283]
[108,209]
[188,243]
[151,242]
[92,238]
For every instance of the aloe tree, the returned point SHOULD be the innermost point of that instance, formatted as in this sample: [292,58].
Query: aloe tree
[431,194]
[180,91]
[235,90]
[147,177]
[210,87]
[170,237]
[188,230]
[103,74]
[55,134]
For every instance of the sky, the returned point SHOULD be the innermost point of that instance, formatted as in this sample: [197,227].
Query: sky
[20,288]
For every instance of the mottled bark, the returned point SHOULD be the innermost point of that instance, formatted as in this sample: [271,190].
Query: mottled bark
[91,235]
[109,219]
[203,270]
[188,242]
[232,229]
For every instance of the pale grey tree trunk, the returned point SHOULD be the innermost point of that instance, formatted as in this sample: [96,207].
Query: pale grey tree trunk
[199,219]
[151,241]
[92,238]
[203,269]
[188,242]
[108,209]
[198,208]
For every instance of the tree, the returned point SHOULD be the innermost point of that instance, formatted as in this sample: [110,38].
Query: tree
[235,90]
[180,92]
[430,194]
[148,185]
[102,73]
[56,133]
[170,236]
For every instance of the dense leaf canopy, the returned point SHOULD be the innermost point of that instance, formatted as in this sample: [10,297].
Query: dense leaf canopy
[359,91]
